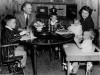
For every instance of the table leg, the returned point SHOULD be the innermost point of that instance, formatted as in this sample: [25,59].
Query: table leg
[34,60]
[62,55]
[68,68]
[59,51]
[50,53]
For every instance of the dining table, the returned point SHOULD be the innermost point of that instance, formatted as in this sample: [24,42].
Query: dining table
[47,39]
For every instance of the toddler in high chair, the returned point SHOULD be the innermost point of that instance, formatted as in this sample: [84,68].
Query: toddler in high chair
[86,46]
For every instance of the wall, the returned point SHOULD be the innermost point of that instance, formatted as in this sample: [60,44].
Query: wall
[99,21]
[6,5]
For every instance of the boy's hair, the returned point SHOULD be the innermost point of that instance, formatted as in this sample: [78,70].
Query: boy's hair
[52,15]
[76,19]
[8,17]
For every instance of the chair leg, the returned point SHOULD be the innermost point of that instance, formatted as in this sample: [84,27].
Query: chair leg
[1,68]
[87,70]
[68,70]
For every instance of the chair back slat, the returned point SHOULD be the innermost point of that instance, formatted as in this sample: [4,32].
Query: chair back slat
[7,51]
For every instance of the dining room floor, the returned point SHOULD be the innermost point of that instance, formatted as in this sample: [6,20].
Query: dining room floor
[54,67]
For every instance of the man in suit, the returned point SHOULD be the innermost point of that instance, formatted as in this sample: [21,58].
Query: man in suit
[26,17]
[10,36]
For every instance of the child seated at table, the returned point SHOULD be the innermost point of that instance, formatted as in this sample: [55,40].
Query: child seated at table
[53,23]
[10,36]
[76,29]
[85,46]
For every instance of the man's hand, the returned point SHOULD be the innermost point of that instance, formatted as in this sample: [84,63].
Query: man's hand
[24,32]
[28,37]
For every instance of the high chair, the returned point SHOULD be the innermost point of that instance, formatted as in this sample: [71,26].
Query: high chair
[75,54]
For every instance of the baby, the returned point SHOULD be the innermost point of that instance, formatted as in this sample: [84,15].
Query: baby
[76,29]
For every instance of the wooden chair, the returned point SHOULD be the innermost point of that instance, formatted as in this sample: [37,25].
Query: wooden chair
[10,60]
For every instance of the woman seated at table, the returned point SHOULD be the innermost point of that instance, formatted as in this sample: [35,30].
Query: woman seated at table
[86,47]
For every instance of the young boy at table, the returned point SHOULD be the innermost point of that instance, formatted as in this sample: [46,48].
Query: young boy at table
[53,22]
[10,36]
[85,46]
[76,29]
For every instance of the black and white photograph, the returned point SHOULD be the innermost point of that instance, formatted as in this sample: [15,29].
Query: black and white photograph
[49,37]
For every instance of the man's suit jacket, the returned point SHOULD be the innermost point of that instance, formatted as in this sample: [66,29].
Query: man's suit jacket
[21,22]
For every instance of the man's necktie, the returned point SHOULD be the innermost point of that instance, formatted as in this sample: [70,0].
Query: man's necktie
[27,20]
